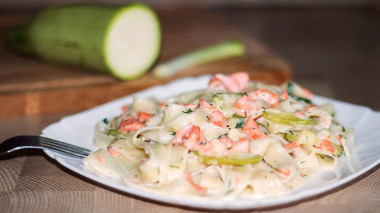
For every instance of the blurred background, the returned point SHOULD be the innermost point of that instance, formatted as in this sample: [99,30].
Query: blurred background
[332,46]
[174,4]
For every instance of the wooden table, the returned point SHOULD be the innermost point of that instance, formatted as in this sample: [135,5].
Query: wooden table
[32,182]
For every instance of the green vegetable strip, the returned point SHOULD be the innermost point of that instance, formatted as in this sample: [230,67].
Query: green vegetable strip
[286,118]
[229,160]
[208,54]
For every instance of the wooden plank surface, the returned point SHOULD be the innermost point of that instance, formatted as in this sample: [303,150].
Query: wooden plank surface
[31,86]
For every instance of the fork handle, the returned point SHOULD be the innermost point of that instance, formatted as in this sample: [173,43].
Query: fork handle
[18,141]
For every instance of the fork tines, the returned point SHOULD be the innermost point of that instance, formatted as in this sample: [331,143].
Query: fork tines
[63,147]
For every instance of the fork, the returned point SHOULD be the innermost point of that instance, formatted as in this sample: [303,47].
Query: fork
[39,142]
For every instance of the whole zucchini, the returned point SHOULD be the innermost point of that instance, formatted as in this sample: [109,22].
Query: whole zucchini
[124,40]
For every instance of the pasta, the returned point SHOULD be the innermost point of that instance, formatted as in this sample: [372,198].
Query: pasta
[236,138]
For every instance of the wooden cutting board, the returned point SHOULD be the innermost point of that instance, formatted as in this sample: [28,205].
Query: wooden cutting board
[30,86]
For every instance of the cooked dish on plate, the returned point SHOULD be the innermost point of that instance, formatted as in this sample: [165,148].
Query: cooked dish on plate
[236,138]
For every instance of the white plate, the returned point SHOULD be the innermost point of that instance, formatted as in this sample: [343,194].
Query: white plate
[78,129]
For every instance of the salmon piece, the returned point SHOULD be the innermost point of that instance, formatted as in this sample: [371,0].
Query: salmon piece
[242,145]
[253,108]
[162,105]
[100,158]
[189,135]
[192,138]
[292,145]
[218,118]
[307,93]
[130,125]
[202,138]
[205,148]
[215,84]
[229,83]
[284,96]
[326,145]
[206,105]
[124,108]
[310,108]
[203,145]
[143,117]
[236,82]
[301,115]
[240,105]
[252,129]
[285,172]
[264,95]
[242,79]
[197,187]
[182,133]
[113,151]
[227,142]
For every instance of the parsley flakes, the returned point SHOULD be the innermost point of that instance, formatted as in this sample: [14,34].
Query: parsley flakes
[188,111]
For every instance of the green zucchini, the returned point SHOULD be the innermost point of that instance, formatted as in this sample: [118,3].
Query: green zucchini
[124,40]
[225,101]
[229,160]
[337,150]
[304,137]
[286,118]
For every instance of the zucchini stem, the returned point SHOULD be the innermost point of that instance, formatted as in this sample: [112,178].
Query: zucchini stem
[201,56]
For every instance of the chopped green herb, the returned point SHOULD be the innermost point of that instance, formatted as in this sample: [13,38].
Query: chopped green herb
[302,162]
[343,129]
[239,125]
[291,132]
[225,134]
[105,120]
[221,107]
[229,191]
[188,111]
[237,116]
[245,93]
[208,118]
[173,134]
[113,132]
[322,157]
